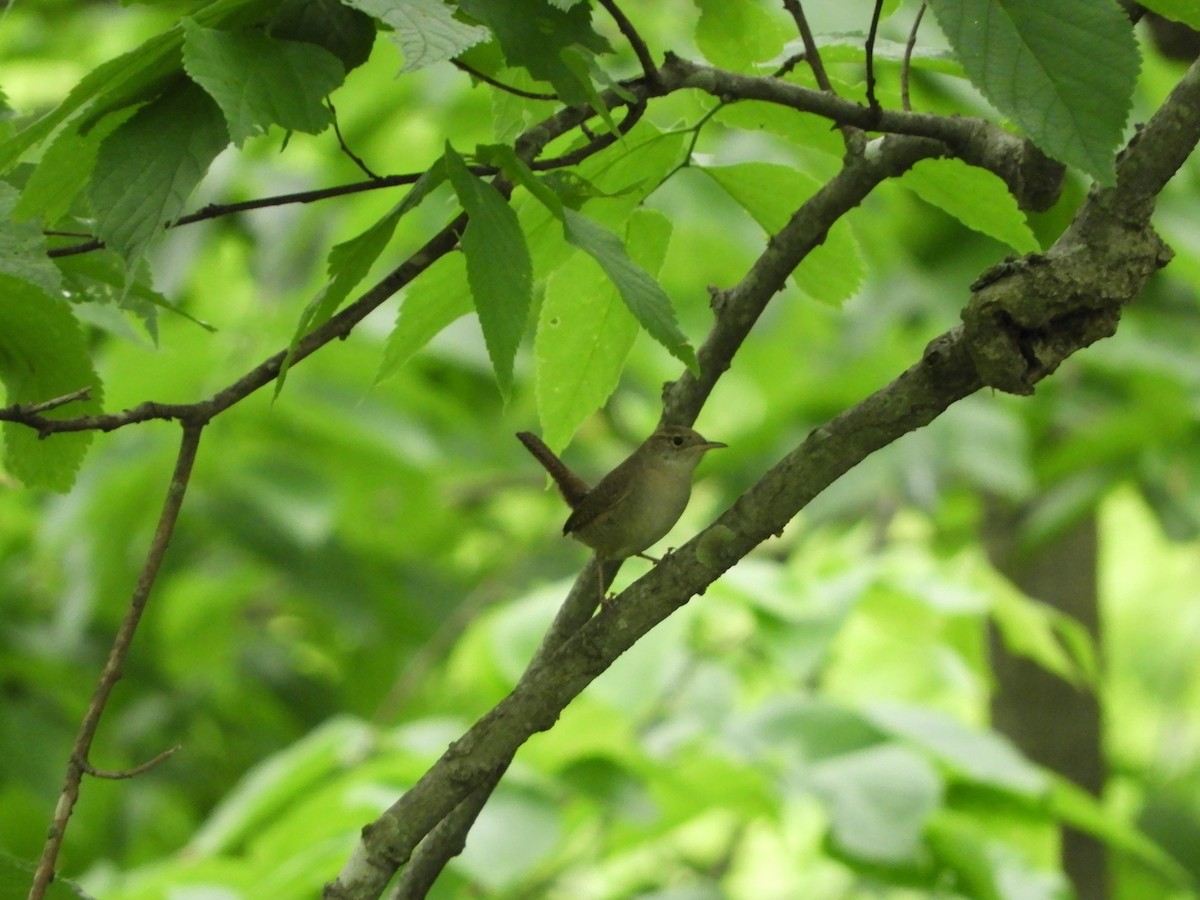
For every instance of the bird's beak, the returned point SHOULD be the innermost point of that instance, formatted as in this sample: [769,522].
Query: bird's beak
[713,445]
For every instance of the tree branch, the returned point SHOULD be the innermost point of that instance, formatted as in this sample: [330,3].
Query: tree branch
[636,43]
[539,135]
[735,315]
[811,53]
[78,764]
[738,308]
[445,841]
[913,400]
[906,64]
[872,101]
[450,836]
[354,157]
[1032,177]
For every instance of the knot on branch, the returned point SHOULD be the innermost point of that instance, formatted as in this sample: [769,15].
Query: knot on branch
[1036,180]
[1033,178]
[1027,315]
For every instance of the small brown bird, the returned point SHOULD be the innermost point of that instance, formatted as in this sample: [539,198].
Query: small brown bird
[636,503]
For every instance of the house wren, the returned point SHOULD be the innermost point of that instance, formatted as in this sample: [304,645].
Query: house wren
[636,503]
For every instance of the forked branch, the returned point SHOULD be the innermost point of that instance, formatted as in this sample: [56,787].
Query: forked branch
[79,764]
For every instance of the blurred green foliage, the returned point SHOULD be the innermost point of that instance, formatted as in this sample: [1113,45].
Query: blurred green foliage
[362,569]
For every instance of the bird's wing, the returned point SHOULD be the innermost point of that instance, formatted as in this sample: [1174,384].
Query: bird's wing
[600,501]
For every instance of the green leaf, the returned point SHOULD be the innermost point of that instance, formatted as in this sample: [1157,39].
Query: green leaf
[259,81]
[641,293]
[279,782]
[833,270]
[1056,642]
[425,30]
[580,63]
[23,249]
[498,266]
[985,866]
[735,34]
[585,332]
[506,159]
[810,134]
[975,197]
[816,729]
[101,277]
[63,172]
[1084,812]
[851,47]
[631,170]
[148,64]
[981,756]
[147,168]
[1064,70]
[770,193]
[534,35]
[346,33]
[878,800]
[132,77]
[350,261]
[437,298]
[42,356]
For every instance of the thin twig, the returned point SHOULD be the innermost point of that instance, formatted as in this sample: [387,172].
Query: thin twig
[636,111]
[908,51]
[811,53]
[119,774]
[695,130]
[265,372]
[872,101]
[354,157]
[77,764]
[217,210]
[500,85]
[34,408]
[649,69]
[788,64]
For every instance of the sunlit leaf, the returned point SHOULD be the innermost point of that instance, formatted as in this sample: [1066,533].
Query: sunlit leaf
[43,356]
[498,266]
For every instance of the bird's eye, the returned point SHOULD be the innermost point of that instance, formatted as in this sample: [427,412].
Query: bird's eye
[677,440]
